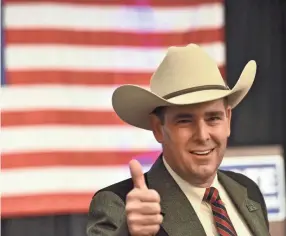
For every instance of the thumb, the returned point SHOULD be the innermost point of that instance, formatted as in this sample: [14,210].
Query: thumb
[137,174]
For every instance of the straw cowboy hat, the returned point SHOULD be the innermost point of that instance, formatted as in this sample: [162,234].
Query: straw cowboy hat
[186,75]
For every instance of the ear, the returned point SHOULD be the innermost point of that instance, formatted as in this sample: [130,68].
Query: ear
[156,126]
[228,116]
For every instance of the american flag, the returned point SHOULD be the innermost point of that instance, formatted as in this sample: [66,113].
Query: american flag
[61,140]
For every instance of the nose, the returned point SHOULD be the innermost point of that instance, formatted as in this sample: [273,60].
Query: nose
[201,133]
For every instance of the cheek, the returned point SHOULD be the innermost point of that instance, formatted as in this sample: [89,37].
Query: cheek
[184,133]
[220,134]
[177,135]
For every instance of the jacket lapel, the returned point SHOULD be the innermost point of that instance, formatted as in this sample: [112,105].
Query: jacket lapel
[250,210]
[180,218]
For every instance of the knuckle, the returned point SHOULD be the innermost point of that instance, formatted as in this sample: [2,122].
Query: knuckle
[149,208]
[130,195]
[155,195]
[157,208]
[129,208]
[159,218]
[131,219]
[156,228]
[134,229]
[135,195]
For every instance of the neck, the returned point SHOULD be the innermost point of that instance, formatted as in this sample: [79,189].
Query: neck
[201,183]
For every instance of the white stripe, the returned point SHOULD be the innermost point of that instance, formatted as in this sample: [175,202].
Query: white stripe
[93,138]
[58,97]
[95,58]
[116,18]
[61,179]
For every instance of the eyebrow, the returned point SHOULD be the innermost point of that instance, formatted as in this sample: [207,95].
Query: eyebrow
[189,115]
[215,113]
[183,116]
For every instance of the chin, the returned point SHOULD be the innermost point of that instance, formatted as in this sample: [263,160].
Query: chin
[206,171]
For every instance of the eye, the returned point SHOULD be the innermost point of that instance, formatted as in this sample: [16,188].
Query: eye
[214,118]
[184,121]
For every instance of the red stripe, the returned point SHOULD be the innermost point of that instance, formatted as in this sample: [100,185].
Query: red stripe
[219,210]
[214,196]
[222,232]
[224,223]
[71,158]
[79,77]
[61,203]
[220,202]
[76,77]
[59,117]
[154,3]
[54,36]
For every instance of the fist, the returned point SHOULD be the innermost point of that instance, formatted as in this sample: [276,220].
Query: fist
[142,205]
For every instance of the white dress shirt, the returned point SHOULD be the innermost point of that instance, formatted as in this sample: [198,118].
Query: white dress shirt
[203,210]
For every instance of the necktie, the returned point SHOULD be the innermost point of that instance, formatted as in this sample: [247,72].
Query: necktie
[221,218]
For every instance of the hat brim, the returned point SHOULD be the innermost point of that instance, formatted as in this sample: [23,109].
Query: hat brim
[133,104]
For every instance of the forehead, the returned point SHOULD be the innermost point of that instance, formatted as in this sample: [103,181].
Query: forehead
[200,108]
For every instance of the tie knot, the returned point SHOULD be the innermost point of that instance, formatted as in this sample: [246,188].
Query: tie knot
[211,195]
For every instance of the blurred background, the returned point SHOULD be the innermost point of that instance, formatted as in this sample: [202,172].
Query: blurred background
[62,59]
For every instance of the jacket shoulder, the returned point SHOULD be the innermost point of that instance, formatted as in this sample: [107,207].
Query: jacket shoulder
[241,179]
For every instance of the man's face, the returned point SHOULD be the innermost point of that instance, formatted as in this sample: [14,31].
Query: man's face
[194,139]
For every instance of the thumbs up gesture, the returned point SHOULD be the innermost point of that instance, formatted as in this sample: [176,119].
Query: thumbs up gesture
[142,205]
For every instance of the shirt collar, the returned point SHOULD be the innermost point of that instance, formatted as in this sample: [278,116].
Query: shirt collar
[193,193]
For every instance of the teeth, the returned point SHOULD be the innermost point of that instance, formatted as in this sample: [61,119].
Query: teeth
[202,153]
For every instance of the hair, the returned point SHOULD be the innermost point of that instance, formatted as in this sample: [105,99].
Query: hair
[160,111]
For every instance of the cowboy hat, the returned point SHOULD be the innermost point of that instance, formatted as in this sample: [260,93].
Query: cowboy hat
[187,75]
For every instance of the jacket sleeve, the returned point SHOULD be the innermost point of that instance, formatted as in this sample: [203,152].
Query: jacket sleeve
[107,216]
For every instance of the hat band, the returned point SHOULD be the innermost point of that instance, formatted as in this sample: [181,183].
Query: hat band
[195,89]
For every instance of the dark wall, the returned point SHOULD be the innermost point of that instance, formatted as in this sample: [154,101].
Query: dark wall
[255,31]
[67,225]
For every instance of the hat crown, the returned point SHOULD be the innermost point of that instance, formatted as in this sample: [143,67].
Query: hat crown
[185,68]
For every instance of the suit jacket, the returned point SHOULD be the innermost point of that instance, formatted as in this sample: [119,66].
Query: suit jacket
[107,209]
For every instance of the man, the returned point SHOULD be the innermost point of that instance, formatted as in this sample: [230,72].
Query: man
[188,109]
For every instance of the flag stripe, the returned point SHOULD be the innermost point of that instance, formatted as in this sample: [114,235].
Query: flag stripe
[91,78]
[99,138]
[150,3]
[42,204]
[59,117]
[60,179]
[135,39]
[106,18]
[94,58]
[23,98]
[83,58]
[22,77]
[70,158]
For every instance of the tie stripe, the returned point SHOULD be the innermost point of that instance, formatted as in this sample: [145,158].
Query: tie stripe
[221,218]
[224,231]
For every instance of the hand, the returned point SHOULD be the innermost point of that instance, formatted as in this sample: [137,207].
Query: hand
[142,205]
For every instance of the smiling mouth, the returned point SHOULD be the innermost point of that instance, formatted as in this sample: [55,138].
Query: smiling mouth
[202,153]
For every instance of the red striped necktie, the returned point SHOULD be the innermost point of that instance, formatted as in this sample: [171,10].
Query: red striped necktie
[221,218]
